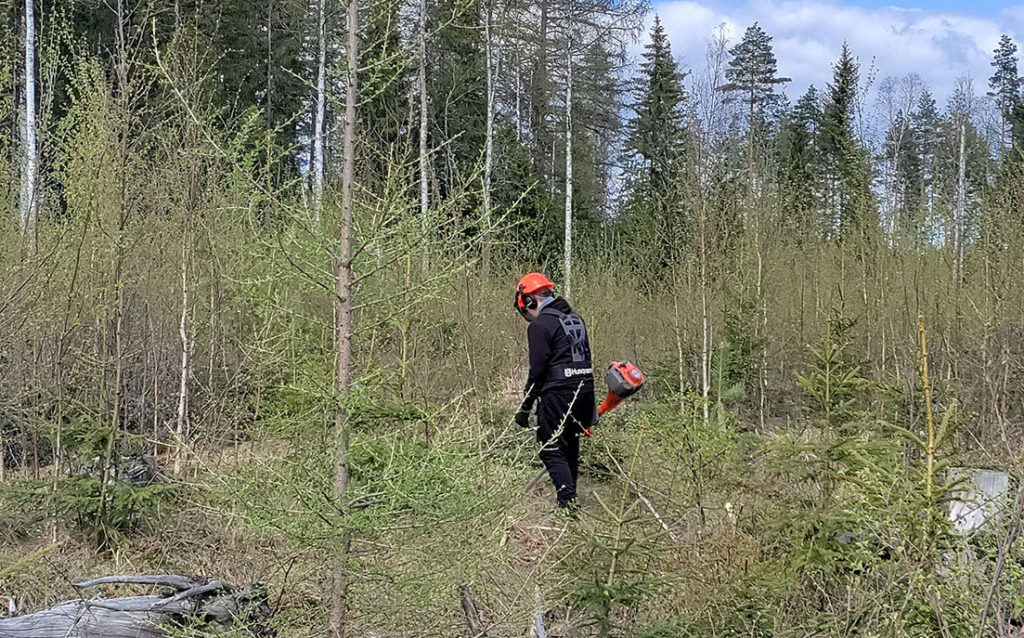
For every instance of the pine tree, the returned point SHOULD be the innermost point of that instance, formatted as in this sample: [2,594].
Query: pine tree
[1005,82]
[753,74]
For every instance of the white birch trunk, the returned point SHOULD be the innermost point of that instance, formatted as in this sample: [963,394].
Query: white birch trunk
[705,344]
[568,171]
[519,99]
[489,143]
[961,205]
[424,169]
[29,160]
[179,422]
[318,118]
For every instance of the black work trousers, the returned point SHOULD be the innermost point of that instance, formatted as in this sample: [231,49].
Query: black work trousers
[562,415]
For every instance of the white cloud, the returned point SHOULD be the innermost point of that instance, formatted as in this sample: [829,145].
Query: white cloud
[938,45]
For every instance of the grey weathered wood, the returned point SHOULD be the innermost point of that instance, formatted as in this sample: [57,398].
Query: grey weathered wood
[980,498]
[218,604]
[472,613]
[179,583]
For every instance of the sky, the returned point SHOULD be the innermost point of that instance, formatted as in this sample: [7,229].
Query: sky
[940,40]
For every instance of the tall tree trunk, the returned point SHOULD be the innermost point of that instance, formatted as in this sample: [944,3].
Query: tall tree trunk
[29,160]
[960,210]
[423,164]
[343,326]
[539,98]
[268,106]
[568,170]
[124,142]
[180,416]
[754,208]
[318,119]
[705,344]
[489,143]
[519,99]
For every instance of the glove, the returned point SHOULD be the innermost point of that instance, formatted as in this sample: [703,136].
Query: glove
[589,432]
[522,418]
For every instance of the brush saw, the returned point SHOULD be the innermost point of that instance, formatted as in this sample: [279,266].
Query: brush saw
[624,379]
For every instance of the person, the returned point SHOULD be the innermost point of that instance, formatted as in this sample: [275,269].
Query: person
[560,382]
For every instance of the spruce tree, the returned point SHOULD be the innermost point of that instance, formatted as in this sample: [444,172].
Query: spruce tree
[901,150]
[385,107]
[799,171]
[456,90]
[924,121]
[656,134]
[845,161]
[655,144]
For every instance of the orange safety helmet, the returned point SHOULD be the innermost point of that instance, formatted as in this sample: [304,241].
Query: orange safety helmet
[530,283]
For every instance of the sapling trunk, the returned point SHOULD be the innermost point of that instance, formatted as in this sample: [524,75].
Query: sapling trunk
[567,286]
[337,620]
[422,82]
[930,450]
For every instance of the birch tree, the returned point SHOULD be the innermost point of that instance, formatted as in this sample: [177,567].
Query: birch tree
[567,274]
[490,72]
[320,111]
[29,179]
[583,27]
[422,82]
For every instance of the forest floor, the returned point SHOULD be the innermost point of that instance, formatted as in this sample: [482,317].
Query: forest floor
[192,537]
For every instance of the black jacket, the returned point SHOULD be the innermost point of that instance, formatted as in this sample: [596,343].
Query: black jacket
[559,353]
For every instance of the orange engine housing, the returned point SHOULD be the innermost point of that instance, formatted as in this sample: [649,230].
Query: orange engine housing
[624,379]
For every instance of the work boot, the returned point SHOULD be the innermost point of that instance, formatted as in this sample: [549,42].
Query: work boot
[569,508]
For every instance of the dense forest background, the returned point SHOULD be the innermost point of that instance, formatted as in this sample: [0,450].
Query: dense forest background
[265,251]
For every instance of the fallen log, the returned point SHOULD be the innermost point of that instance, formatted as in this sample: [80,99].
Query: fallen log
[212,606]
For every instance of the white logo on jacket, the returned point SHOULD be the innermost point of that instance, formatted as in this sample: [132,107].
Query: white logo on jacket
[575,372]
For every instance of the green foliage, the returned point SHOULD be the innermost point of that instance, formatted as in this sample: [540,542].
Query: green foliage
[820,523]
[655,210]
[845,159]
[127,507]
[727,383]
[1005,83]
[834,381]
[612,547]
[799,166]
[752,74]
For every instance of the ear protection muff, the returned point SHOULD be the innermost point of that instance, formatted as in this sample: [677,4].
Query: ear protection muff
[525,302]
